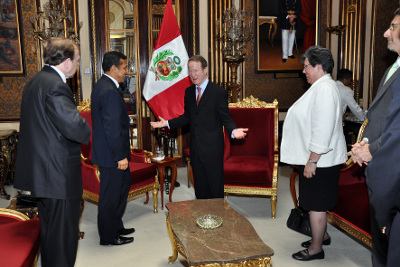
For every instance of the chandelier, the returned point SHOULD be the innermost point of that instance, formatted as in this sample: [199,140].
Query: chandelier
[55,20]
[235,32]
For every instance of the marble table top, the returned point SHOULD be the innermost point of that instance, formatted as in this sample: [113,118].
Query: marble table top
[236,240]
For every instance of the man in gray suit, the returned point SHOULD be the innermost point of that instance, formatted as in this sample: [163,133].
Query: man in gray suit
[364,151]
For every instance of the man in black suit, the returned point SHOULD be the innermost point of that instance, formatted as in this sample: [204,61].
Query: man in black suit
[48,159]
[206,111]
[365,151]
[111,149]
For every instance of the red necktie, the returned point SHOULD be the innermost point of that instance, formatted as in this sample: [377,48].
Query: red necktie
[198,94]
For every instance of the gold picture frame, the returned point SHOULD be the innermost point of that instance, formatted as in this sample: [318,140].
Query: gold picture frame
[11,56]
[269,44]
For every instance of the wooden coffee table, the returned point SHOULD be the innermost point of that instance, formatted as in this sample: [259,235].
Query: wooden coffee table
[235,243]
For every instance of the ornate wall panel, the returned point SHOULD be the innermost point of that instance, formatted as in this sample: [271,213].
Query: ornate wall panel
[11,87]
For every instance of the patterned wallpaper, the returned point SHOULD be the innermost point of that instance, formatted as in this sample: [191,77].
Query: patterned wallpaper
[11,87]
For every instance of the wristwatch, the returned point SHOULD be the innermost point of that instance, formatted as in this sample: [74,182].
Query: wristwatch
[312,161]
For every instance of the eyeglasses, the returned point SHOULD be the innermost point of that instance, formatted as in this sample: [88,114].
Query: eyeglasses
[305,66]
[394,26]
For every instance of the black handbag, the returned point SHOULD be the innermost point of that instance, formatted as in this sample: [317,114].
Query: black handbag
[299,221]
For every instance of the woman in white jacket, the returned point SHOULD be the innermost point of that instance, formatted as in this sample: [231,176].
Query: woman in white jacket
[313,139]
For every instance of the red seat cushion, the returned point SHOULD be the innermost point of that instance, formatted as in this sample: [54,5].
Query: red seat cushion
[19,242]
[247,171]
[142,174]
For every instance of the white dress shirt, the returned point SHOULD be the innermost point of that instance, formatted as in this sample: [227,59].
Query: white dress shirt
[314,124]
[347,98]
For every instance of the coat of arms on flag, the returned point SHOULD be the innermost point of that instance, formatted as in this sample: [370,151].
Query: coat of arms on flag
[166,66]
[167,76]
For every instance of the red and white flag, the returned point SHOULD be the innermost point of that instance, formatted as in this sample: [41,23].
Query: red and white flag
[167,77]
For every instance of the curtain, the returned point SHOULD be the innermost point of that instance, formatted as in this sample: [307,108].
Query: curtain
[308,16]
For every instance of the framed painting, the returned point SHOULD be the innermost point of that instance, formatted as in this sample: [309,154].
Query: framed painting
[11,61]
[285,29]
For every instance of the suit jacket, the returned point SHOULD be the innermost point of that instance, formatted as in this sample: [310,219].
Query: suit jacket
[378,110]
[110,122]
[51,130]
[206,124]
[383,171]
[289,7]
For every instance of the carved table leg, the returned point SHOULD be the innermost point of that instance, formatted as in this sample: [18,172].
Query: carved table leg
[174,256]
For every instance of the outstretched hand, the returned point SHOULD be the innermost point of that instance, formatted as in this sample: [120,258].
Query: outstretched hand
[240,133]
[159,124]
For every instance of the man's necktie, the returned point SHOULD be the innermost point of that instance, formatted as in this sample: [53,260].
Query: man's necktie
[198,94]
[391,71]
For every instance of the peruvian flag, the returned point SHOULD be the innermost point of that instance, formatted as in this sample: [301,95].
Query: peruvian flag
[167,77]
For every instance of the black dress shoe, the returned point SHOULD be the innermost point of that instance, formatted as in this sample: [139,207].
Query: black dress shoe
[177,184]
[300,256]
[120,240]
[284,60]
[325,242]
[126,231]
[292,56]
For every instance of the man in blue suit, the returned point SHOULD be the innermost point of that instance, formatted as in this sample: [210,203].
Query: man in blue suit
[380,116]
[111,149]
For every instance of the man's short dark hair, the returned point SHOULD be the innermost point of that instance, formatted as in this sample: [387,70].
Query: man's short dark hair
[112,58]
[198,58]
[58,49]
[344,74]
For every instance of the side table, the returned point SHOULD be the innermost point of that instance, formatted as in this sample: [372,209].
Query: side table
[161,164]
[8,146]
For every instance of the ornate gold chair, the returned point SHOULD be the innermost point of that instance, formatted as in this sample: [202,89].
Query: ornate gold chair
[19,242]
[143,172]
[251,164]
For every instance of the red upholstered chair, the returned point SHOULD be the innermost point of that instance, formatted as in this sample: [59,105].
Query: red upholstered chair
[251,164]
[352,212]
[19,239]
[143,172]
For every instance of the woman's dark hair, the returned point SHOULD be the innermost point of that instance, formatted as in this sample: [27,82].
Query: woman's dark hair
[198,58]
[112,58]
[319,55]
[58,49]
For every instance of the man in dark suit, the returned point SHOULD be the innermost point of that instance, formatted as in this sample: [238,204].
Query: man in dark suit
[206,111]
[48,159]
[365,151]
[111,149]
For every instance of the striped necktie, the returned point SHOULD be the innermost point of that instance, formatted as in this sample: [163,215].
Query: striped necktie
[391,71]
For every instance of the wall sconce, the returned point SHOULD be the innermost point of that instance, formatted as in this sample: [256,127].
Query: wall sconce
[55,20]
[234,33]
